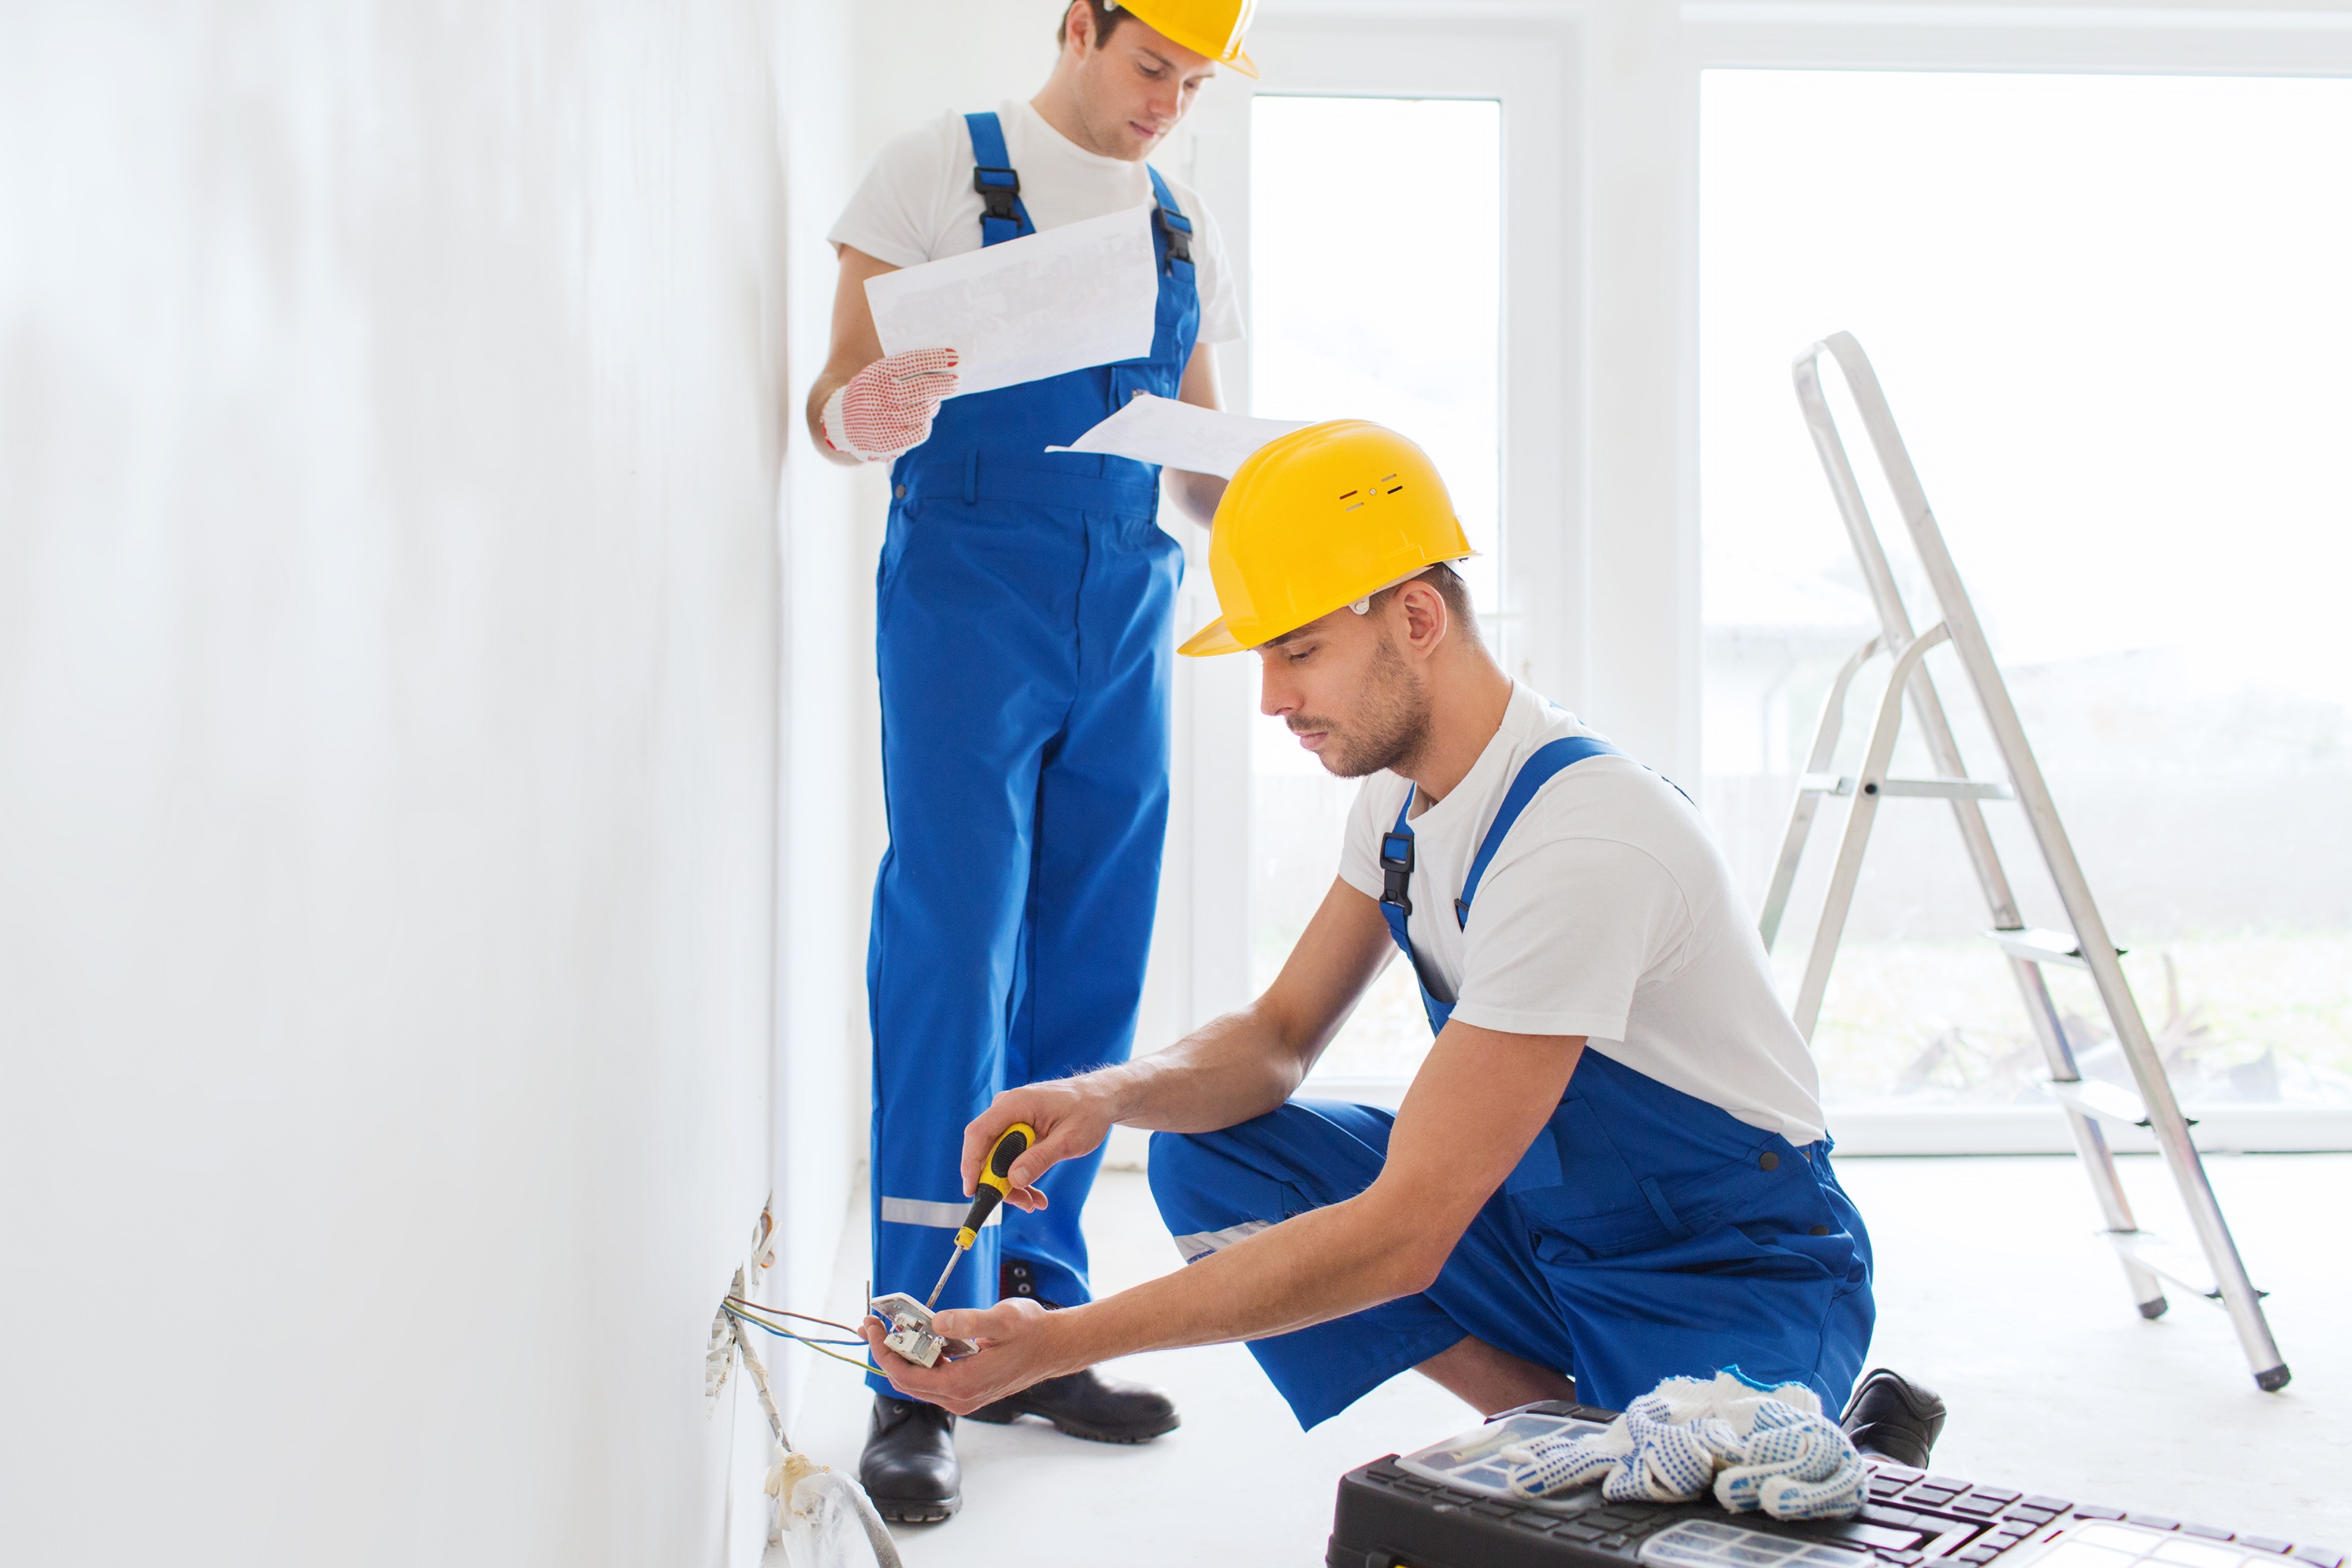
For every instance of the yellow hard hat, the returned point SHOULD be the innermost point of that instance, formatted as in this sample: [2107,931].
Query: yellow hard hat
[1210,27]
[1318,518]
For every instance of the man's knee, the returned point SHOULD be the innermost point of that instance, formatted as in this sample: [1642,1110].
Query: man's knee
[1210,1194]
[1175,1167]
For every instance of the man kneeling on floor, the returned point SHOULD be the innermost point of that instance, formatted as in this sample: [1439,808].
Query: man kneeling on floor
[1611,1167]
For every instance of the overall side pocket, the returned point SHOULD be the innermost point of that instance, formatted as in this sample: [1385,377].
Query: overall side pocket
[1593,1204]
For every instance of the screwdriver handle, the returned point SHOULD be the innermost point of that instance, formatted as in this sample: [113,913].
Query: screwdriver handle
[995,1179]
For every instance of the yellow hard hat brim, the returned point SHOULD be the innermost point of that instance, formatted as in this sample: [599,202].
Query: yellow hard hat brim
[1214,638]
[1243,64]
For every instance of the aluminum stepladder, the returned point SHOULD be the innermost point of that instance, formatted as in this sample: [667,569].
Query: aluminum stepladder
[2147,1262]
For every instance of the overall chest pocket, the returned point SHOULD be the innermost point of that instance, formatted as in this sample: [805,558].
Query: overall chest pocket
[1579,1196]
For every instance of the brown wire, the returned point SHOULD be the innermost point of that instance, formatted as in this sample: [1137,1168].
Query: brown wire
[781,1313]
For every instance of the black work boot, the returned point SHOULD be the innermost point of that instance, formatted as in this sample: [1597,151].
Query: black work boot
[1083,1404]
[910,1467]
[1894,1417]
[1088,1404]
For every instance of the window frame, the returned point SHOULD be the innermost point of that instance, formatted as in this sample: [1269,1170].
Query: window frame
[2035,36]
[1526,58]
[1600,608]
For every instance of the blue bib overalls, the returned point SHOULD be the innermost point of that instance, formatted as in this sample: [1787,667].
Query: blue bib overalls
[1023,639]
[1646,1233]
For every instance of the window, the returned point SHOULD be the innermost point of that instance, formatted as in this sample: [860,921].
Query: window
[2110,313]
[1376,280]
[1362,197]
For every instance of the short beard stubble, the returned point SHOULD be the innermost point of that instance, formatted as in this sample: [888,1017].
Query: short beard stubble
[1394,726]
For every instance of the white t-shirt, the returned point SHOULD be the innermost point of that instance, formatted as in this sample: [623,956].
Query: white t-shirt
[1607,912]
[917,203]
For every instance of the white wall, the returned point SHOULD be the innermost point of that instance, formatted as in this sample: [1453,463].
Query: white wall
[917,60]
[829,798]
[391,414]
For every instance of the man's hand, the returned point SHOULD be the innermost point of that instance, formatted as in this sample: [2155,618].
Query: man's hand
[1019,1345]
[1072,1117]
[1239,1066]
[886,408]
[1197,494]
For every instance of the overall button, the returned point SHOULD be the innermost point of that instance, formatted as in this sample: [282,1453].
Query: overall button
[1819,1230]
[900,492]
[1768,1161]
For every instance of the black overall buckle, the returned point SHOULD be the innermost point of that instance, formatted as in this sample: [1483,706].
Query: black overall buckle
[1176,230]
[1396,869]
[998,195]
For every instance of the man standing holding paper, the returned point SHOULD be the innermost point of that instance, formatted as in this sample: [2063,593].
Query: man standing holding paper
[1023,639]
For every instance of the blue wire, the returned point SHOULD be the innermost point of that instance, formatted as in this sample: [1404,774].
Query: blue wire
[816,1345]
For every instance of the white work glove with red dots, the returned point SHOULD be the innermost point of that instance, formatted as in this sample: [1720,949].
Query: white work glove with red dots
[886,408]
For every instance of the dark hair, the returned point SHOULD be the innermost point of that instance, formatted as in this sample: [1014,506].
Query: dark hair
[1106,16]
[1456,594]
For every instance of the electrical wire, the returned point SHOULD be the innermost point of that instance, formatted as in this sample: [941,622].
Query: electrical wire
[781,1313]
[794,1334]
[816,1345]
[753,1310]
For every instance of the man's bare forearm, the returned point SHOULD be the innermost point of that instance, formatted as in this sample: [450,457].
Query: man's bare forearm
[1480,1099]
[828,383]
[1226,1071]
[855,345]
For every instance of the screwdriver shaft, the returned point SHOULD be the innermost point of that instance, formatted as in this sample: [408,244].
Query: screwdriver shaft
[954,1254]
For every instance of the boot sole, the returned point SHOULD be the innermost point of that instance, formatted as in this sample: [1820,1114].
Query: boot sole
[917,1510]
[999,1416]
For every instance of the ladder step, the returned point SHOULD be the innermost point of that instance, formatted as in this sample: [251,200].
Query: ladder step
[1948,788]
[2039,946]
[2167,1261]
[1842,784]
[2108,1101]
[2096,1097]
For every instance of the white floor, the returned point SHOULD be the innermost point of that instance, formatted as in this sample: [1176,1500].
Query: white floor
[1989,1290]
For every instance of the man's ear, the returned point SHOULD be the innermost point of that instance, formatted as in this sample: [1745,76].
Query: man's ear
[1425,615]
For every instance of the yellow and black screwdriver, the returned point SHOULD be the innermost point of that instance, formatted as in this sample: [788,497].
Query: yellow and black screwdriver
[1011,1144]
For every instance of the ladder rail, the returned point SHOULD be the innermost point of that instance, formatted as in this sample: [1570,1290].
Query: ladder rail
[2090,1138]
[1800,815]
[1895,617]
[1846,874]
[1975,652]
[1886,598]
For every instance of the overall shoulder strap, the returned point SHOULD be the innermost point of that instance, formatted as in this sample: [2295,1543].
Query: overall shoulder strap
[1396,906]
[1175,228]
[1533,775]
[1002,216]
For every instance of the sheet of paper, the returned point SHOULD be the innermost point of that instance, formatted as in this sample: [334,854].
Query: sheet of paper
[1180,435]
[1083,294]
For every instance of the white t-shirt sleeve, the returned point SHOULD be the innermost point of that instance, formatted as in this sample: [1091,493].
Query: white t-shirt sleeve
[894,216]
[1221,307]
[1561,935]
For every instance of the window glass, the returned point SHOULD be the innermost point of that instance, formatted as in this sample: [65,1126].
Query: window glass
[1376,274]
[2110,315]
